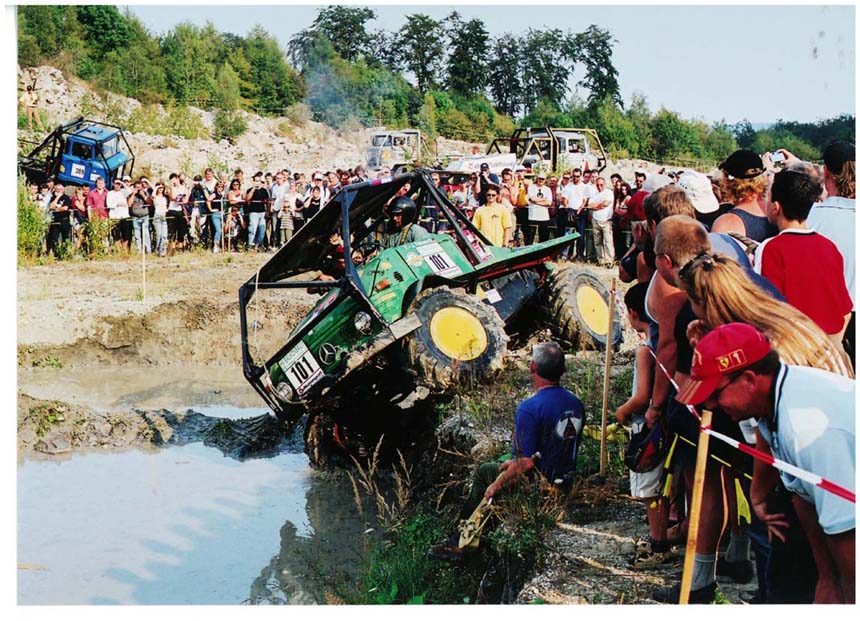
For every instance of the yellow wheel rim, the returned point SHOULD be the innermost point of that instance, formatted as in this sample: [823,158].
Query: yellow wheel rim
[458,334]
[593,309]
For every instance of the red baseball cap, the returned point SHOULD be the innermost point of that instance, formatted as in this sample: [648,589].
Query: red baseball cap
[724,350]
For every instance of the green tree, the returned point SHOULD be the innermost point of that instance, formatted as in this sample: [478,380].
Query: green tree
[639,115]
[427,116]
[468,45]
[276,84]
[616,131]
[228,95]
[505,74]
[673,136]
[422,50]
[546,68]
[593,48]
[138,67]
[44,25]
[744,134]
[719,142]
[105,27]
[384,50]
[188,53]
[346,28]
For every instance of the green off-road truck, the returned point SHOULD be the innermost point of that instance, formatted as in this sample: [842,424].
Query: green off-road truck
[397,325]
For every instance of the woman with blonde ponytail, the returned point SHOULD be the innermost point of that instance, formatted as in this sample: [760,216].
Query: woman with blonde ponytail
[721,292]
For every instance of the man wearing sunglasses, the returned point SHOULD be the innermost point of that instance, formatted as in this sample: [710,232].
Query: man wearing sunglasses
[805,417]
[494,220]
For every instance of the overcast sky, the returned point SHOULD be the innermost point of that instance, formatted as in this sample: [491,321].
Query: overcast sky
[723,62]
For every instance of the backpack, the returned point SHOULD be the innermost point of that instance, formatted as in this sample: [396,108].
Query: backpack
[647,446]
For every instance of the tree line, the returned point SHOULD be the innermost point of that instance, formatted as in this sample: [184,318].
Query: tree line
[448,77]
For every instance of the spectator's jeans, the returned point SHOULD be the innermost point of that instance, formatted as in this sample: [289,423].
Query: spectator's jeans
[160,224]
[541,227]
[141,228]
[256,228]
[603,241]
[581,221]
[59,231]
[195,224]
[276,230]
[215,219]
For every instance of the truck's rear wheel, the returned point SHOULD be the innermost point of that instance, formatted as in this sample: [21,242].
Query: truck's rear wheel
[460,339]
[578,310]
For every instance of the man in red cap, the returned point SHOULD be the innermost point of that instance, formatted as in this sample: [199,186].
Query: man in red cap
[805,418]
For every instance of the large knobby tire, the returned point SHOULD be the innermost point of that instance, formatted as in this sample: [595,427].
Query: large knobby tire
[460,340]
[577,305]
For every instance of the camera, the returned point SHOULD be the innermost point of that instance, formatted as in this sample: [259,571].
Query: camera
[776,157]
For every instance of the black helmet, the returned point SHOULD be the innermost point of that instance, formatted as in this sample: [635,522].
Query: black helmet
[405,206]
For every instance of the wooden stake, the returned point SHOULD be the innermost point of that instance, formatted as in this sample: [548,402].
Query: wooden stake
[606,377]
[695,509]
[143,262]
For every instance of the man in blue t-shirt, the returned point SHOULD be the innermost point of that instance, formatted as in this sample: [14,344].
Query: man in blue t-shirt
[546,440]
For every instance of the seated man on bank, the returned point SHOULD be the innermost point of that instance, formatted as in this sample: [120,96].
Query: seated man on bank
[547,434]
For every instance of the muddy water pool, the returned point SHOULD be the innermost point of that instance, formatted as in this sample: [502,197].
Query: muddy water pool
[184,525]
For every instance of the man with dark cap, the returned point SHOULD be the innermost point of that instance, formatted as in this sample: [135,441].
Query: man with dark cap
[805,417]
[485,180]
[745,181]
[834,216]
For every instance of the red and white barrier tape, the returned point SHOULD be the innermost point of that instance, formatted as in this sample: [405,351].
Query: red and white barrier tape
[786,467]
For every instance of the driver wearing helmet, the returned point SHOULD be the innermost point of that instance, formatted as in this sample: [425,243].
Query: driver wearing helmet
[400,226]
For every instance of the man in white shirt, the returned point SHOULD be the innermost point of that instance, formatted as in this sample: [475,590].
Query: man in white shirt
[834,216]
[278,193]
[601,216]
[576,194]
[540,199]
[120,223]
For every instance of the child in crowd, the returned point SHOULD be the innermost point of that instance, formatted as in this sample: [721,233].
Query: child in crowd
[645,485]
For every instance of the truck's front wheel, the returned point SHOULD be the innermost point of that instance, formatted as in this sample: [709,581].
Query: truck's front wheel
[460,339]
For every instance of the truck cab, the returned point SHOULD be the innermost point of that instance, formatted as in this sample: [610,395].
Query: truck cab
[79,152]
[394,149]
[91,152]
[552,149]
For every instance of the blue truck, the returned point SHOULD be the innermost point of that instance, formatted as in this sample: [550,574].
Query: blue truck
[78,153]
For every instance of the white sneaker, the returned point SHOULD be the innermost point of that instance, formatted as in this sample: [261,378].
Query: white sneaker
[216,250]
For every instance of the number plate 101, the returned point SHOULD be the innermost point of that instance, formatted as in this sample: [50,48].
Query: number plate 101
[301,368]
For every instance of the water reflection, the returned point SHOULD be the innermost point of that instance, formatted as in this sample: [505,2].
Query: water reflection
[183,525]
[313,568]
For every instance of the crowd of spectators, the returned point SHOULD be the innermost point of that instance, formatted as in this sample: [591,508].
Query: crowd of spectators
[214,212]
[743,296]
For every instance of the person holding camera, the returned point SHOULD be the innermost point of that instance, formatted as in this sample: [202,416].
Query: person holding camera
[485,180]
[60,208]
[256,206]
[139,202]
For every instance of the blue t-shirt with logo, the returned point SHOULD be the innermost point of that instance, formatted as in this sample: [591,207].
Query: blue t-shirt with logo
[550,423]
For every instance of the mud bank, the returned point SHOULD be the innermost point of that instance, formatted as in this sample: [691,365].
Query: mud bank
[55,428]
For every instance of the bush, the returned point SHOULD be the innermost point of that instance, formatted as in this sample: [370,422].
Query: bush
[31,224]
[229,125]
[299,114]
[182,122]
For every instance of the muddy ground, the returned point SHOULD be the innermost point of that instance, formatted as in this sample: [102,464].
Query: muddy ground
[103,366]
